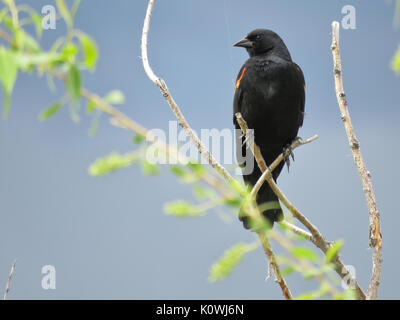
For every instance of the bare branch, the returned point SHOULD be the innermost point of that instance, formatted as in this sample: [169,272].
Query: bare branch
[275,267]
[317,237]
[375,237]
[9,280]
[175,109]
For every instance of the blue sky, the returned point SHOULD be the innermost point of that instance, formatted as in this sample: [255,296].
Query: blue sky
[109,237]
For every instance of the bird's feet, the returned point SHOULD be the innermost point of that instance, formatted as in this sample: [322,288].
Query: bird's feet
[288,152]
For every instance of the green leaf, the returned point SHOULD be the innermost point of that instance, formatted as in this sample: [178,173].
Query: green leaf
[197,168]
[90,107]
[287,271]
[304,253]
[37,21]
[68,53]
[49,112]
[115,97]
[333,251]
[149,168]
[8,76]
[26,41]
[90,51]
[112,163]
[63,9]
[73,82]
[201,192]
[396,61]
[181,209]
[27,61]
[233,202]
[348,294]
[178,171]
[138,139]
[229,261]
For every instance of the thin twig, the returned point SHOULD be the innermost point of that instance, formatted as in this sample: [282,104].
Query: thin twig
[295,229]
[274,265]
[168,97]
[317,237]
[375,237]
[9,280]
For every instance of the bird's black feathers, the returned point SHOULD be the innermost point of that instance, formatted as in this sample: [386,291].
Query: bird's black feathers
[270,95]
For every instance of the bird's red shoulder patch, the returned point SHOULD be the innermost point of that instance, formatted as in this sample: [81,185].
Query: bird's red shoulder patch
[240,78]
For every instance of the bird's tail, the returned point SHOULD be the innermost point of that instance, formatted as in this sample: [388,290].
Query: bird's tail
[268,204]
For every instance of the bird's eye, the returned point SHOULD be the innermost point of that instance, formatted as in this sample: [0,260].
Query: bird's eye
[258,37]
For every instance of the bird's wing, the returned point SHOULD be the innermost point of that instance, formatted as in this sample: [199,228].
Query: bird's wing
[302,100]
[237,99]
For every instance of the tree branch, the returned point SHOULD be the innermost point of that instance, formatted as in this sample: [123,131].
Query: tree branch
[375,237]
[9,280]
[316,236]
[274,265]
[175,109]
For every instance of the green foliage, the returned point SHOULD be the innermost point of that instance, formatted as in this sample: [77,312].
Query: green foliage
[314,295]
[304,253]
[68,56]
[229,261]
[8,76]
[396,62]
[90,107]
[90,51]
[112,163]
[333,251]
[182,209]
[190,173]
[348,294]
[234,203]
[73,83]
[138,139]
[65,13]
[49,112]
[201,192]
[115,97]
[149,168]
[178,171]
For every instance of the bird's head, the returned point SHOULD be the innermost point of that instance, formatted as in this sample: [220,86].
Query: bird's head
[264,41]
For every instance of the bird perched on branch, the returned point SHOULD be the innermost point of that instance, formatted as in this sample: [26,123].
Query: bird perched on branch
[270,95]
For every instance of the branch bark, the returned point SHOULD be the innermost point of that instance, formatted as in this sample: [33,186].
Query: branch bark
[275,267]
[9,280]
[375,237]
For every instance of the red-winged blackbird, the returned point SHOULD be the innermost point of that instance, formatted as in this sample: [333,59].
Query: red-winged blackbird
[270,95]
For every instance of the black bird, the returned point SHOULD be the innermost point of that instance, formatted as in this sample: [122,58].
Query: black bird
[270,95]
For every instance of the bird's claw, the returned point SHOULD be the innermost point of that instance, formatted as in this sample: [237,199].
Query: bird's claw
[288,152]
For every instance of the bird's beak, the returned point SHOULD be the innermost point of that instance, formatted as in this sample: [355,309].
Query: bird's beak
[244,43]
